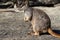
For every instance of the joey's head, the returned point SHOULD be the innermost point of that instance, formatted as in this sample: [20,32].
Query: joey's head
[27,16]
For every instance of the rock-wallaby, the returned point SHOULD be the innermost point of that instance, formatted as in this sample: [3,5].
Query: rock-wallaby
[40,21]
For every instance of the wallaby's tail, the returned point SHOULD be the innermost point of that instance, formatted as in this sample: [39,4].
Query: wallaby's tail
[53,33]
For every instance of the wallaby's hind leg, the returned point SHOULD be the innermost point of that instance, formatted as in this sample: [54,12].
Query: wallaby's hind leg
[36,30]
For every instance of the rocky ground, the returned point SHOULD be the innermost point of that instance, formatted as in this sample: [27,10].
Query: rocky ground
[13,27]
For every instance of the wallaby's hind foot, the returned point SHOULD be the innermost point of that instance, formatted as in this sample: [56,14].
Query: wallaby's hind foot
[30,33]
[34,33]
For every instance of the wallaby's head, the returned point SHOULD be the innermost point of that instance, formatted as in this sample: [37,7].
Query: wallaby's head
[27,12]
[27,16]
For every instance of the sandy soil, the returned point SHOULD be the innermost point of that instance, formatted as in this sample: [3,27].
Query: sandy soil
[13,27]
